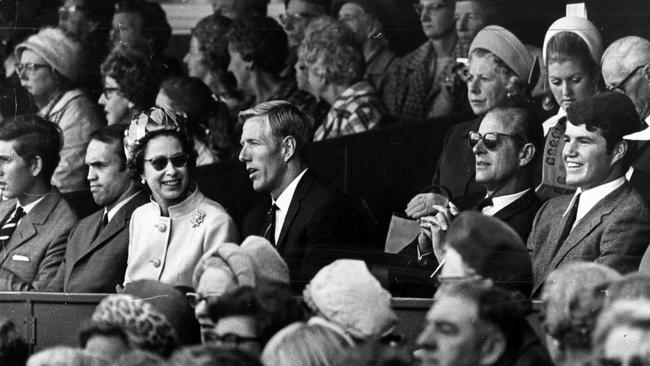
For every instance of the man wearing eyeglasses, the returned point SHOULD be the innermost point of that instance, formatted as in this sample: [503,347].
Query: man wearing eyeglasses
[505,147]
[606,220]
[97,247]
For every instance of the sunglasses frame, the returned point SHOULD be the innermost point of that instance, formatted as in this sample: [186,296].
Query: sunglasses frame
[489,144]
[173,159]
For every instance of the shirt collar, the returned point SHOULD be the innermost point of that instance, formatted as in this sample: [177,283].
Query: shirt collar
[30,206]
[500,202]
[284,199]
[590,197]
[552,122]
[111,213]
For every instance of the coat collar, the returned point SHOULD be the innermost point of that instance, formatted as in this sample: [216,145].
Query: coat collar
[301,192]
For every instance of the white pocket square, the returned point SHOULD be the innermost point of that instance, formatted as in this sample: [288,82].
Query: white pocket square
[20,258]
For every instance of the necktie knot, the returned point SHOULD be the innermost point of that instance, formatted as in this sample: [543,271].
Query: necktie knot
[10,225]
[485,202]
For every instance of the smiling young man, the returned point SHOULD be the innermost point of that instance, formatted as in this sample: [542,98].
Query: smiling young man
[97,247]
[309,223]
[606,220]
[34,219]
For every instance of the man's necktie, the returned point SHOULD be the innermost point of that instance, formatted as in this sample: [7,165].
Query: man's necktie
[10,225]
[269,233]
[571,219]
[485,202]
[104,220]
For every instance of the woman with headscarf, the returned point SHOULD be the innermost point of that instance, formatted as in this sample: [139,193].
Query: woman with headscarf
[170,234]
[572,51]
[498,75]
[49,69]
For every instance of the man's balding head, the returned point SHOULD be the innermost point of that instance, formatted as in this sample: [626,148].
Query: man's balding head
[626,66]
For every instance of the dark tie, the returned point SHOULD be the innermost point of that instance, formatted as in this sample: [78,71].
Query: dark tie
[104,220]
[485,202]
[269,233]
[10,225]
[570,220]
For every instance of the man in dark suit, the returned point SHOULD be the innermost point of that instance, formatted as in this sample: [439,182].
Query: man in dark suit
[606,220]
[95,260]
[310,223]
[34,219]
[506,148]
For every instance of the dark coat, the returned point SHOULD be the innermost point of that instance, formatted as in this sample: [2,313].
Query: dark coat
[95,260]
[36,248]
[321,225]
[614,232]
[411,278]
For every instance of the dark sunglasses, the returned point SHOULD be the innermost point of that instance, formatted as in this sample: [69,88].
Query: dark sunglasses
[229,339]
[621,86]
[490,139]
[160,162]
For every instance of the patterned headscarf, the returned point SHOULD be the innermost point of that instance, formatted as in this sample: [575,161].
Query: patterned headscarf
[152,120]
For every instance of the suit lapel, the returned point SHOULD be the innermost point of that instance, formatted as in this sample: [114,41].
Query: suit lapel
[522,204]
[294,207]
[28,226]
[587,224]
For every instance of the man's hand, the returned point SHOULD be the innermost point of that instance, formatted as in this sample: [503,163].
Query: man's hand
[424,204]
[434,228]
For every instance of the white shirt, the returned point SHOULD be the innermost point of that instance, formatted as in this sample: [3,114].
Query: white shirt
[630,171]
[590,197]
[552,121]
[26,208]
[110,213]
[283,202]
[500,202]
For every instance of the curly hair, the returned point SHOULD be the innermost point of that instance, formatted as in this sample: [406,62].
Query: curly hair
[323,29]
[211,33]
[261,41]
[520,84]
[137,75]
[155,26]
[340,64]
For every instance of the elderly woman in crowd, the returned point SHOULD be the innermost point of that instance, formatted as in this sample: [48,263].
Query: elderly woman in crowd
[169,235]
[498,75]
[369,21]
[255,263]
[334,68]
[568,325]
[572,51]
[208,59]
[207,118]
[131,83]
[49,67]
[258,50]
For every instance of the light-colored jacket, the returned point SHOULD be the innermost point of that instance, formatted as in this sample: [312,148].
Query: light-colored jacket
[168,248]
[78,117]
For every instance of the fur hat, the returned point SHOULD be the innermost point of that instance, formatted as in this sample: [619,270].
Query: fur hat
[57,49]
[147,327]
[492,249]
[347,294]
[268,265]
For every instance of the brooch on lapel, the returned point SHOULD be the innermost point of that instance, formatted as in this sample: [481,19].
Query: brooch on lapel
[197,218]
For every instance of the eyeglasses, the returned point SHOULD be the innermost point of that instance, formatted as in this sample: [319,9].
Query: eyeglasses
[420,9]
[194,298]
[109,92]
[229,339]
[621,86]
[490,139]
[29,68]
[160,162]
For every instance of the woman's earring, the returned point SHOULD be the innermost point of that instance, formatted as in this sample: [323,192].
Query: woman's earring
[509,95]
[142,181]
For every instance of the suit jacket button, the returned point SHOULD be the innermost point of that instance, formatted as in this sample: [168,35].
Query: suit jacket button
[161,227]
[156,262]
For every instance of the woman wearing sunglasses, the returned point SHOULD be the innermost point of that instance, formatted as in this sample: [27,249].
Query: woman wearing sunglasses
[572,51]
[169,235]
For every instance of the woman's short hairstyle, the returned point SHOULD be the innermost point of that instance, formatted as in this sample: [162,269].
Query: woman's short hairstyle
[155,26]
[136,73]
[33,136]
[261,41]
[519,87]
[192,97]
[304,344]
[211,33]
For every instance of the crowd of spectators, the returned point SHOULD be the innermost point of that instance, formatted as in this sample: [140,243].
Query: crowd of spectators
[532,240]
